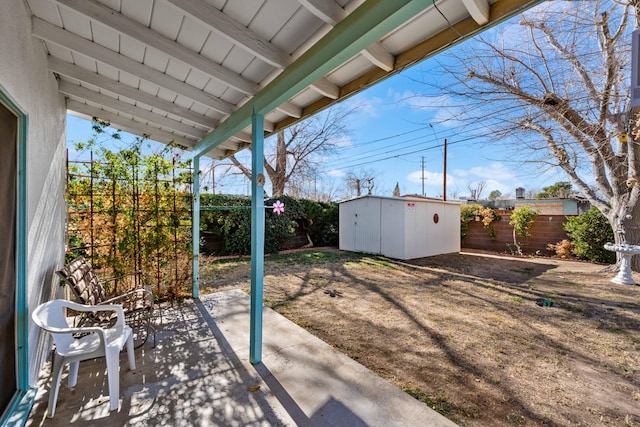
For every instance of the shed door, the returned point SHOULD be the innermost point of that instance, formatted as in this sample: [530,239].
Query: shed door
[8,206]
[367,225]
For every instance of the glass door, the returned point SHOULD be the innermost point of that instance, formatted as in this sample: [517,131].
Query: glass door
[8,273]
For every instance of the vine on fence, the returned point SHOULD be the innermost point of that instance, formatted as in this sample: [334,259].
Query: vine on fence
[479,213]
[131,211]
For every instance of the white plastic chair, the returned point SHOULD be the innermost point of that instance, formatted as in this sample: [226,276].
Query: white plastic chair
[94,342]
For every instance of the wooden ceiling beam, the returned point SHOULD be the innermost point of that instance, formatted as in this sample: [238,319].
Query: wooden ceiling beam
[324,87]
[327,10]
[76,72]
[54,34]
[130,109]
[290,109]
[379,57]
[332,13]
[500,10]
[233,31]
[123,123]
[478,9]
[112,19]
[360,29]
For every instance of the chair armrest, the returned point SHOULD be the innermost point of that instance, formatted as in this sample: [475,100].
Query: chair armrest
[114,300]
[98,307]
[75,329]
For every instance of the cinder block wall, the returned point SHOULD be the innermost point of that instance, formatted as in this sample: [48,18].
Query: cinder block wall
[546,229]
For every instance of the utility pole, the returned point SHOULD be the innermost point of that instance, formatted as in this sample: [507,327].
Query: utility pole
[422,176]
[213,177]
[444,180]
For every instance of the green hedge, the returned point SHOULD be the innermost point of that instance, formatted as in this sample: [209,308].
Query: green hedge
[589,232]
[230,220]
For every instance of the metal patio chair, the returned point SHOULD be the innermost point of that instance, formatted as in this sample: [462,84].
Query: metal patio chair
[137,301]
[93,342]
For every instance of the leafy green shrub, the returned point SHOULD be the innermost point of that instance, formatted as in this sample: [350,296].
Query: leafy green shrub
[229,218]
[324,228]
[522,220]
[589,232]
[75,248]
[280,228]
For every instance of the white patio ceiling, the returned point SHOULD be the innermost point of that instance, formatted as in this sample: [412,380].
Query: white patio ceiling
[190,71]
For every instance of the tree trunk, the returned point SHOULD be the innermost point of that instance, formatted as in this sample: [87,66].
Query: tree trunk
[278,176]
[626,229]
[632,235]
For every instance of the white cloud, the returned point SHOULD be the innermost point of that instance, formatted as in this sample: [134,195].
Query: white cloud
[423,102]
[432,179]
[343,142]
[443,107]
[367,106]
[495,171]
[496,176]
[336,173]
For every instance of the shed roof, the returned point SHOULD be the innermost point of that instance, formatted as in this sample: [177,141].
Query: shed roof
[407,198]
[191,72]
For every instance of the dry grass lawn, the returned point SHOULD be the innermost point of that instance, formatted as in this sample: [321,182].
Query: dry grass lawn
[470,334]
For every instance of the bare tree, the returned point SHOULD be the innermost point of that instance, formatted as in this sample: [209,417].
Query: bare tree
[531,193]
[475,190]
[318,187]
[298,151]
[361,180]
[556,86]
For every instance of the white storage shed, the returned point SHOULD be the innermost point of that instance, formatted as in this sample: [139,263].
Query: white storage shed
[400,227]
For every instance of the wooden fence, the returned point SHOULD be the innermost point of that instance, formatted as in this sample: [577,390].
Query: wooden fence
[546,229]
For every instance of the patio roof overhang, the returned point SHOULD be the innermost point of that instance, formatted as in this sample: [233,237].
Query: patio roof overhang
[191,72]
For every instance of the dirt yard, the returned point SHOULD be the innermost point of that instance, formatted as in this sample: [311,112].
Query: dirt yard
[486,340]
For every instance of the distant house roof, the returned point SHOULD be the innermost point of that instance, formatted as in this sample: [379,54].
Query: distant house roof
[569,206]
[416,196]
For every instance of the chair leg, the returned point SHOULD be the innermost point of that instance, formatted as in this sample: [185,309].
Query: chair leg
[130,353]
[58,365]
[153,330]
[113,376]
[73,373]
[151,326]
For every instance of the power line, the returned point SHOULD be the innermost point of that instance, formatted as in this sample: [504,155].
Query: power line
[404,154]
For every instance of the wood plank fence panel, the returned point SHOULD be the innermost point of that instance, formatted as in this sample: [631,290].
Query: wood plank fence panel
[546,229]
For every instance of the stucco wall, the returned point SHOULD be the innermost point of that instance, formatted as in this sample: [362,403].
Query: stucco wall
[25,80]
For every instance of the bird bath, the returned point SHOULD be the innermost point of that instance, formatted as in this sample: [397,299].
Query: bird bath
[627,251]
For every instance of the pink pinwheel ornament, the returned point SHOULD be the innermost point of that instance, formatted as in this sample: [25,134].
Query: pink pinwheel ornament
[278,207]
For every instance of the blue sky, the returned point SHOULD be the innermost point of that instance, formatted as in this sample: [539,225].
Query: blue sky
[398,125]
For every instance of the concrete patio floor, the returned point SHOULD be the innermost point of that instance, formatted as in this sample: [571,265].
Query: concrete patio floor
[199,374]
